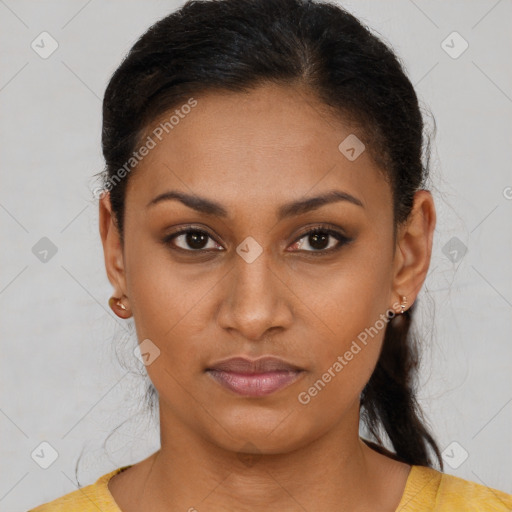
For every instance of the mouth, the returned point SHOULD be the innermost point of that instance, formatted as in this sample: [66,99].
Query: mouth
[254,378]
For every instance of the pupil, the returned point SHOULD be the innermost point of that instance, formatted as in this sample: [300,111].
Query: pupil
[316,237]
[195,239]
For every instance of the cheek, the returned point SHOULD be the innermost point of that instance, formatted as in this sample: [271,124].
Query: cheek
[158,296]
[344,358]
[171,312]
[348,309]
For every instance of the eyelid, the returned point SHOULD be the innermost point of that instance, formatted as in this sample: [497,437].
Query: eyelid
[324,227]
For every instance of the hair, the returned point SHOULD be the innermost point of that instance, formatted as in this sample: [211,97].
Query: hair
[317,46]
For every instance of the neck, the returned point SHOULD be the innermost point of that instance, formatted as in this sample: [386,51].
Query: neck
[337,471]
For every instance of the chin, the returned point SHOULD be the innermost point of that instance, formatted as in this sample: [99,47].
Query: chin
[259,434]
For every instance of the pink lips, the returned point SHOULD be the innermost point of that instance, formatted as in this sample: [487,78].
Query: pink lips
[258,377]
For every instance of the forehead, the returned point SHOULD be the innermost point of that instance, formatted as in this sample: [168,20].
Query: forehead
[272,141]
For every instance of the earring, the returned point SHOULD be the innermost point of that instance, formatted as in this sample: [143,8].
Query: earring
[118,307]
[404,302]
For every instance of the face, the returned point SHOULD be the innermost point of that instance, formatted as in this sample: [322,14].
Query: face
[254,281]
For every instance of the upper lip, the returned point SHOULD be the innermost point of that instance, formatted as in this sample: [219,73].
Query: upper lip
[260,365]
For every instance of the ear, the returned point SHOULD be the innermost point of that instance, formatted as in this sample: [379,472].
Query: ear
[112,249]
[414,247]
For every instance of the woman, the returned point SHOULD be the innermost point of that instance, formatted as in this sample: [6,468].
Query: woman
[265,221]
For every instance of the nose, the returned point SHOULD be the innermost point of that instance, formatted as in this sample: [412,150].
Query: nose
[255,299]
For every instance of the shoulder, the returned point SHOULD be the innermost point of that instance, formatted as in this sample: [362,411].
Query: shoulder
[472,495]
[429,489]
[90,498]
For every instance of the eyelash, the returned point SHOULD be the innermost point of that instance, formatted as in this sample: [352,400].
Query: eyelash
[324,229]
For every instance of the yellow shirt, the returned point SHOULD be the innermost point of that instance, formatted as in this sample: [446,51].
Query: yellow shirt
[426,490]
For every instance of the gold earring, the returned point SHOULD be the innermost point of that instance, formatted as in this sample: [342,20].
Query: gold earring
[118,307]
[404,302]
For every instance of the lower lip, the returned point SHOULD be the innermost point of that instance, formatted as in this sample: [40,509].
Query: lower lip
[259,384]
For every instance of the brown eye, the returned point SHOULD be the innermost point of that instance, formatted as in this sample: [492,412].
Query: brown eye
[192,240]
[321,240]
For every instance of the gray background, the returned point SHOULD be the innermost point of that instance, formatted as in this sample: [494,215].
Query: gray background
[61,381]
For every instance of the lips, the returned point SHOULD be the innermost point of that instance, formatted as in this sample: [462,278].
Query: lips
[243,365]
[254,378]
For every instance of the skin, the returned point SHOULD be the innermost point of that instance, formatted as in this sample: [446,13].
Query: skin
[252,153]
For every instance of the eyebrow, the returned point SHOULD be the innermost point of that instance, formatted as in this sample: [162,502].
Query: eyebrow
[209,207]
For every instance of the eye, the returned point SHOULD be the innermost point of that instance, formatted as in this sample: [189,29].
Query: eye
[191,239]
[322,239]
[318,239]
